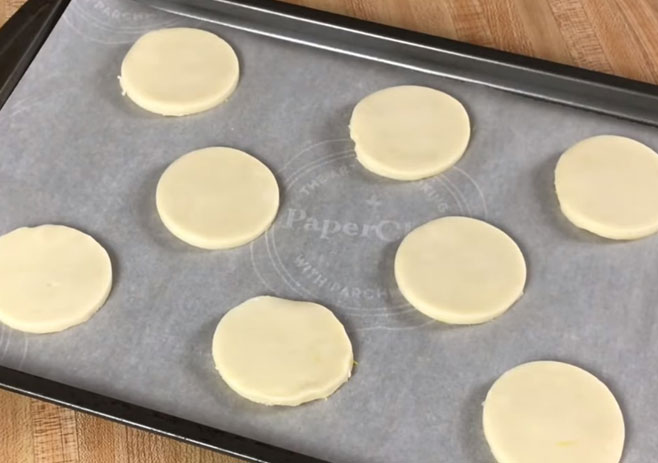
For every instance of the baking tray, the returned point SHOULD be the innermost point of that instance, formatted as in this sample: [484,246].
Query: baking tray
[74,151]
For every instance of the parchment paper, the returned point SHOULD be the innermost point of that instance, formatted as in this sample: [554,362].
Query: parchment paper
[74,151]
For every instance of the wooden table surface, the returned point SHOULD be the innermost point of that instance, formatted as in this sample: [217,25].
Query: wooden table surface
[613,36]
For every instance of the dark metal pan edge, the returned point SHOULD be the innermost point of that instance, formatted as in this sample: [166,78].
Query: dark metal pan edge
[28,29]
[537,78]
[147,419]
[22,37]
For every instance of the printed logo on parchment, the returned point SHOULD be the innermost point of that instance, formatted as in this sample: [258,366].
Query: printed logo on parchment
[338,228]
[114,21]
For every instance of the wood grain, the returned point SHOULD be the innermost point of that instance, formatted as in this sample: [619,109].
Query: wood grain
[32,431]
[613,36]
[8,8]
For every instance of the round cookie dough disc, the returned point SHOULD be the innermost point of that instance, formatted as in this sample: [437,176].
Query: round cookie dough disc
[608,185]
[51,278]
[545,412]
[179,71]
[409,132]
[460,270]
[280,352]
[217,198]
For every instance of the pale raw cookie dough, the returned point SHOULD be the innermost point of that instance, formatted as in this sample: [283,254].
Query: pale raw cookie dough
[409,132]
[217,198]
[179,71]
[52,277]
[548,412]
[460,270]
[280,352]
[608,185]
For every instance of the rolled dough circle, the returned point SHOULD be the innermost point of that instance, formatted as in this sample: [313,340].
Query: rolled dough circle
[409,132]
[460,270]
[179,71]
[608,185]
[552,412]
[217,198]
[52,277]
[280,352]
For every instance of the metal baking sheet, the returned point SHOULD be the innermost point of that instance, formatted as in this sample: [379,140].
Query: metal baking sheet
[74,151]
